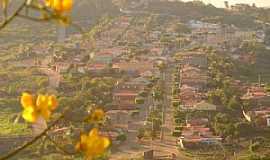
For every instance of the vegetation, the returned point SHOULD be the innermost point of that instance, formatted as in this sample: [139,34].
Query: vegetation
[199,10]
[87,95]
[11,126]
[251,70]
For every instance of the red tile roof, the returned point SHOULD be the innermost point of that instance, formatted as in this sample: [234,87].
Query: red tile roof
[97,66]
[125,93]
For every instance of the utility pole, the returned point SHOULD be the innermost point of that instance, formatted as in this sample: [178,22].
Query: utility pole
[259,80]
[163,104]
[61,34]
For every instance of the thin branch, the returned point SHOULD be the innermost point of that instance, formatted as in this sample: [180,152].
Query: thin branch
[39,8]
[14,15]
[60,147]
[42,145]
[78,27]
[45,19]
[27,144]
[5,14]
[52,16]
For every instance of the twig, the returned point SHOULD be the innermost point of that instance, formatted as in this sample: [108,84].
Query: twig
[39,8]
[14,15]
[27,144]
[51,16]
[60,147]
[45,19]
[78,27]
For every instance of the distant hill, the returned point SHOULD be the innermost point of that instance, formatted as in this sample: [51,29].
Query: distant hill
[199,10]
[92,9]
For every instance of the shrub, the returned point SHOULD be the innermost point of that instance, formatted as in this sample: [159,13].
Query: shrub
[176,133]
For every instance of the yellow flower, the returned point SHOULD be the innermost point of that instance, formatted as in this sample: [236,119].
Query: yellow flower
[93,145]
[26,100]
[43,107]
[97,116]
[5,4]
[60,5]
[29,114]
[52,102]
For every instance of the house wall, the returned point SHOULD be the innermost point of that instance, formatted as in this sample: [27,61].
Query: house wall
[119,118]
[124,99]
[195,60]
[268,122]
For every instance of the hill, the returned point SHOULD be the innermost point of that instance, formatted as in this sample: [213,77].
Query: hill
[93,9]
[201,11]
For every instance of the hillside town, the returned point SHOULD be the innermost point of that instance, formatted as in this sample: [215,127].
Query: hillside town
[171,89]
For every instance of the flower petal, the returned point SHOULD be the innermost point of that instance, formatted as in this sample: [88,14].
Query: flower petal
[45,113]
[106,142]
[60,5]
[52,102]
[26,100]
[29,114]
[78,146]
[42,102]
[93,145]
[82,145]
[97,116]
[84,138]
[67,5]
[93,133]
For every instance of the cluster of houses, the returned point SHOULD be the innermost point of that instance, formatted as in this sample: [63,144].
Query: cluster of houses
[135,72]
[196,134]
[193,80]
[109,53]
[124,103]
[220,35]
[241,7]
[259,100]
[111,50]
[138,71]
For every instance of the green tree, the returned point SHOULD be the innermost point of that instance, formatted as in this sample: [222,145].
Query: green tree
[224,126]
[141,133]
[234,103]
[267,36]
[181,28]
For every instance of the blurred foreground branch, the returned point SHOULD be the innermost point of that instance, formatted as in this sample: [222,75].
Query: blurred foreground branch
[27,144]
[7,19]
[47,13]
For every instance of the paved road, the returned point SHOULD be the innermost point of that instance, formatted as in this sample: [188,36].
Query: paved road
[167,146]
[132,148]
[168,143]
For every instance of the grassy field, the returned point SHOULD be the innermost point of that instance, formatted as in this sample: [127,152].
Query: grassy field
[11,124]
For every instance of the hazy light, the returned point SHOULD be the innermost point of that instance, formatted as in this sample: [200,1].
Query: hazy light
[220,3]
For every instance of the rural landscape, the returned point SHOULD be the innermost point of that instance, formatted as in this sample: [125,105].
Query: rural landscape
[134,80]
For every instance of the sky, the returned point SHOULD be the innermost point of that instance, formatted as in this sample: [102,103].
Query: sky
[220,3]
